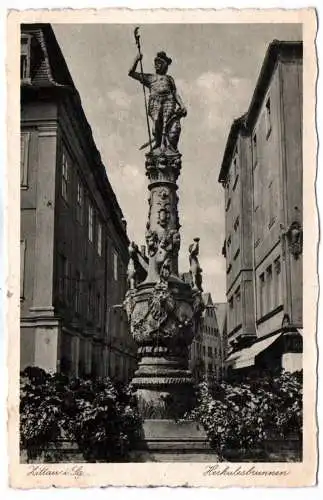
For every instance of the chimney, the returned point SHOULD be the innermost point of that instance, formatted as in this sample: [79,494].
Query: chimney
[143,250]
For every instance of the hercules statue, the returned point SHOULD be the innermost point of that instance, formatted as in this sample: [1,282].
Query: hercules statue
[165,107]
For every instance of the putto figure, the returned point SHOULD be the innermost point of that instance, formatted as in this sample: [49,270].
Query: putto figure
[165,107]
[195,269]
[131,271]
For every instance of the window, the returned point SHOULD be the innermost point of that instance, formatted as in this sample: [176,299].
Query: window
[278,282]
[235,182]
[254,150]
[261,294]
[228,204]
[64,283]
[271,205]
[203,350]
[236,223]
[80,202]
[238,306]
[77,296]
[209,352]
[257,227]
[269,279]
[61,280]
[99,240]
[268,117]
[210,367]
[22,267]
[82,357]
[231,303]
[90,221]
[24,154]
[235,168]
[236,255]
[25,57]
[115,265]
[69,282]
[98,309]
[90,302]
[66,353]
[65,175]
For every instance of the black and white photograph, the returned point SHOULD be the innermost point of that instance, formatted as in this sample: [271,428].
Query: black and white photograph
[162,222]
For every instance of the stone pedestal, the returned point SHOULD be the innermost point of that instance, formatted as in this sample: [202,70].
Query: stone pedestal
[165,440]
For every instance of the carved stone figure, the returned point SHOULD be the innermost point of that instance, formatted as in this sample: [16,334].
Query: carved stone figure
[131,271]
[295,239]
[163,216]
[195,268]
[157,252]
[152,242]
[165,270]
[176,240]
[165,107]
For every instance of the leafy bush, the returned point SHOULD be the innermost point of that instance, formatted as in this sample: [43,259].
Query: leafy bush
[99,416]
[242,416]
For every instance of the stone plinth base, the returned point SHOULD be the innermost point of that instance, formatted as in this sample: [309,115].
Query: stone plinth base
[170,441]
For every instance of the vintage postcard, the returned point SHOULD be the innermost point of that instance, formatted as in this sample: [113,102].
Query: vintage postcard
[162,315]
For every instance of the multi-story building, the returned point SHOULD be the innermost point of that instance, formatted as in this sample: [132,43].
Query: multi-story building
[74,246]
[221,317]
[262,176]
[236,178]
[205,351]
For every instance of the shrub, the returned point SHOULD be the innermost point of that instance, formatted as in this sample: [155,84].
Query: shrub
[242,416]
[100,417]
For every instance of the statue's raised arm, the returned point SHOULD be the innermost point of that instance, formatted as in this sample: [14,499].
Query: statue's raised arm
[144,78]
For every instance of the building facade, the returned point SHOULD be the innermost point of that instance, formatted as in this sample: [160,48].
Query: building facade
[74,246]
[261,173]
[221,317]
[205,358]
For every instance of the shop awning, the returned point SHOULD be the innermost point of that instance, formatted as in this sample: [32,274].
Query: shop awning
[247,357]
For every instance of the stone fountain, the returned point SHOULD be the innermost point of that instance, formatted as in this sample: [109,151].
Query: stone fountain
[163,310]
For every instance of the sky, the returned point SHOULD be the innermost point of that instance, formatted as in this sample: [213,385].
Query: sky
[215,67]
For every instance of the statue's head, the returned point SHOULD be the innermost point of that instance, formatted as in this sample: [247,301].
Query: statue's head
[161,63]
[163,217]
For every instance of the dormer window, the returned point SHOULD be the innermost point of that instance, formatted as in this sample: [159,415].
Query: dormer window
[25,57]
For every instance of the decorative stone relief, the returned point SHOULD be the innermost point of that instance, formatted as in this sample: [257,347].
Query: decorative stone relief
[295,239]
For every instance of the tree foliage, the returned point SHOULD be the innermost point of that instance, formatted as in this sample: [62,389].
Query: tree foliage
[241,416]
[96,414]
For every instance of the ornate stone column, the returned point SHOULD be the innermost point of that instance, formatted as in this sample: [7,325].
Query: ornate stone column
[163,310]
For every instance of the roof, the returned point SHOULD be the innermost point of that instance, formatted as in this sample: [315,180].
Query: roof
[51,72]
[49,68]
[276,50]
[207,299]
[236,127]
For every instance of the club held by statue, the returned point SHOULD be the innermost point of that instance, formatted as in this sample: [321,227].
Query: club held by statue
[137,38]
